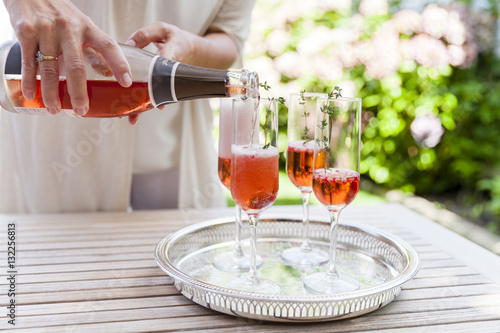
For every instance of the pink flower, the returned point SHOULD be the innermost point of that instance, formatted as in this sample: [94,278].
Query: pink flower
[434,20]
[455,31]
[293,65]
[327,68]
[336,5]
[427,130]
[380,55]
[348,55]
[430,52]
[457,54]
[373,7]
[471,51]
[317,40]
[276,41]
[406,49]
[407,22]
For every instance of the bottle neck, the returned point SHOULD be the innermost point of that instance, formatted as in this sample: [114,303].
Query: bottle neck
[173,81]
[242,84]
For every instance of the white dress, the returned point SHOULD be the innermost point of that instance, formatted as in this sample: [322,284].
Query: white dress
[60,164]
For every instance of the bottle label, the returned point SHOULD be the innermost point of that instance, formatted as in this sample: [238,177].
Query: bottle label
[173,81]
[44,112]
[162,85]
[13,62]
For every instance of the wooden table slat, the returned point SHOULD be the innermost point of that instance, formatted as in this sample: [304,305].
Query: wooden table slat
[450,291]
[433,282]
[56,253]
[104,305]
[92,275]
[485,326]
[34,288]
[97,294]
[364,323]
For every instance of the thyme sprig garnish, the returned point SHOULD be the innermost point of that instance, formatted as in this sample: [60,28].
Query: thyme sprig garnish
[327,110]
[268,123]
[265,86]
[336,92]
[267,126]
[305,131]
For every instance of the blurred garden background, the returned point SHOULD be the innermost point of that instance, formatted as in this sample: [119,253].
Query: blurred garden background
[429,79]
[429,76]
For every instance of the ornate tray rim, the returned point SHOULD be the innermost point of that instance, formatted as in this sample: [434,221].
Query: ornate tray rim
[403,247]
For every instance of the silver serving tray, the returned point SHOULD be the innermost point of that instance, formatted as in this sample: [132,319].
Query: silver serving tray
[380,261]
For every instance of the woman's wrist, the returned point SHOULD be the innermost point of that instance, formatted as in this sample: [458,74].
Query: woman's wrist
[215,50]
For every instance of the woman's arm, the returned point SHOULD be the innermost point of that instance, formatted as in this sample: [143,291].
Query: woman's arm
[213,50]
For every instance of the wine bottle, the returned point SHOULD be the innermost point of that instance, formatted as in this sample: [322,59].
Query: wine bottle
[156,81]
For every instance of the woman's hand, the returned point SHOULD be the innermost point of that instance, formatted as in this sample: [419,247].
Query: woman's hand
[55,28]
[213,50]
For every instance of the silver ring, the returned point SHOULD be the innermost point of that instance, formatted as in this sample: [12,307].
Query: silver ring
[39,56]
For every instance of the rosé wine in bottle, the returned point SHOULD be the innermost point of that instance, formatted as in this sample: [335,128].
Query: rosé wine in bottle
[254,176]
[156,81]
[106,98]
[335,187]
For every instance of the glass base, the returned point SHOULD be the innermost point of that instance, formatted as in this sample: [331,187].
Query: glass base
[260,286]
[322,283]
[298,256]
[230,262]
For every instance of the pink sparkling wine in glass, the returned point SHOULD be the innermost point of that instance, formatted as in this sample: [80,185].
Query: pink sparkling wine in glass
[224,170]
[300,156]
[335,187]
[254,176]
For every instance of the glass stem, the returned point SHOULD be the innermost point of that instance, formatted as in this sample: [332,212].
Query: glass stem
[305,222]
[332,266]
[238,251]
[252,275]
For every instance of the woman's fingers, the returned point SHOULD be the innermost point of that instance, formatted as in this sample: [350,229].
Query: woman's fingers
[49,70]
[76,76]
[57,28]
[112,53]
[133,119]
[28,70]
[28,40]
[156,32]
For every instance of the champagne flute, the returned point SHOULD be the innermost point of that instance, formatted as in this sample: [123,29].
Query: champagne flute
[301,120]
[235,260]
[255,178]
[335,178]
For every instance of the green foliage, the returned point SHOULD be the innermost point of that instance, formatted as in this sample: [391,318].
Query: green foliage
[466,160]
[464,99]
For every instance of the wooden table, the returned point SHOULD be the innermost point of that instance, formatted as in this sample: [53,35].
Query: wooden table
[97,273]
